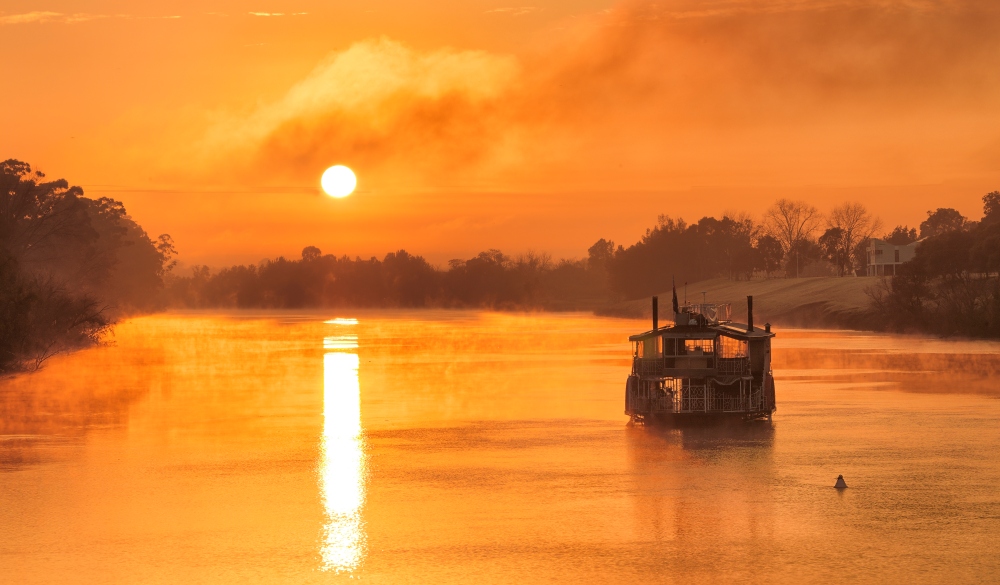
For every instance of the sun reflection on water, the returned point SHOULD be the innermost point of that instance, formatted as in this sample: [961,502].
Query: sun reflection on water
[342,457]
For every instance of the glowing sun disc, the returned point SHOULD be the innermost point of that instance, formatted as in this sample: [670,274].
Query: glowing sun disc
[338,181]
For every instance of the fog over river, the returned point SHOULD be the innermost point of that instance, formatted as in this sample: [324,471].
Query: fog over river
[473,447]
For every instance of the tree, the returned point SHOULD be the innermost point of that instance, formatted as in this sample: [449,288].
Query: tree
[832,244]
[600,254]
[985,252]
[791,222]
[46,240]
[310,253]
[804,253]
[769,253]
[42,222]
[901,235]
[991,207]
[736,234]
[124,266]
[165,246]
[942,221]
[855,224]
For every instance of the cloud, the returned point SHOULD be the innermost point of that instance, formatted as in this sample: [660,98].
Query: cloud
[668,93]
[514,11]
[59,17]
[376,102]
[37,17]
[277,13]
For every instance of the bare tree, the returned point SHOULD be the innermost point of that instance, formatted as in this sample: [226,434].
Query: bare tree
[856,224]
[791,222]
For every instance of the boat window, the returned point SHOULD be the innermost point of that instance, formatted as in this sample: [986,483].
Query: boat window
[732,348]
[650,348]
[696,346]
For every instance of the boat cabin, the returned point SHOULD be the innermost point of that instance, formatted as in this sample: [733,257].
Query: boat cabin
[703,365]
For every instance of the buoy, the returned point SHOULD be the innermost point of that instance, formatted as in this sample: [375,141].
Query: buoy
[841,484]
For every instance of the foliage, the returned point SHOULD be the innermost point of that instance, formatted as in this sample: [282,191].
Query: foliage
[491,279]
[991,207]
[601,254]
[901,235]
[791,222]
[854,224]
[731,247]
[770,254]
[39,318]
[68,264]
[832,244]
[952,286]
[941,221]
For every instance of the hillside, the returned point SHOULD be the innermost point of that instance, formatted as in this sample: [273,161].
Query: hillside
[802,302]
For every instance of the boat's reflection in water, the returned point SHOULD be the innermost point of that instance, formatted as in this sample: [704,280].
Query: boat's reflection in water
[342,456]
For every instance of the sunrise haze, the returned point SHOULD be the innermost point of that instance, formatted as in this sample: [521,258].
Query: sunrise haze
[475,125]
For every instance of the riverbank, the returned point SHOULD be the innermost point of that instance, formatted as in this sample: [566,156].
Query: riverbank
[792,302]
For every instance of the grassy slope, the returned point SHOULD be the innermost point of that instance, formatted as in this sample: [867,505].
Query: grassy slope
[807,302]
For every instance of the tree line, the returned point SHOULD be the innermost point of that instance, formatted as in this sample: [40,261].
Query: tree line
[792,239]
[952,285]
[69,265]
[490,279]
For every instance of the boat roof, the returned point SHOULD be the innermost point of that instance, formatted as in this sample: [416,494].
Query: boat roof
[737,330]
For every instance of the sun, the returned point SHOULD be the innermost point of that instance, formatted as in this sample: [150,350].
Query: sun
[338,181]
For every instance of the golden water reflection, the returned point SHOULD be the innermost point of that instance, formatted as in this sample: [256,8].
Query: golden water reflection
[342,456]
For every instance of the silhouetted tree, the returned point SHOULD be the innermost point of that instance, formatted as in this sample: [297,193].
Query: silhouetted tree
[64,261]
[832,244]
[901,235]
[941,221]
[947,288]
[601,253]
[792,222]
[991,207]
[806,253]
[769,254]
[310,253]
[855,224]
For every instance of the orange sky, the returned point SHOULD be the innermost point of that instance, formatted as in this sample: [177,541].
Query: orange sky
[473,124]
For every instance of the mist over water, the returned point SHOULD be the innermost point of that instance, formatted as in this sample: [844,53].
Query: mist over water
[455,447]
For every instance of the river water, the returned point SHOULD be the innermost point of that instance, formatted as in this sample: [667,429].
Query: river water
[458,447]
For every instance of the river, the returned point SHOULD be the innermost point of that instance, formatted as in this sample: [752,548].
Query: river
[458,447]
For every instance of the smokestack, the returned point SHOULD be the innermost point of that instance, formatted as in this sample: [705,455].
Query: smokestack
[749,313]
[656,315]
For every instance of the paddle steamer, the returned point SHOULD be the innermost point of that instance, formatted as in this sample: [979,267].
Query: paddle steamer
[702,367]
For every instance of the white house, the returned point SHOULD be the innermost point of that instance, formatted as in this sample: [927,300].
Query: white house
[883,258]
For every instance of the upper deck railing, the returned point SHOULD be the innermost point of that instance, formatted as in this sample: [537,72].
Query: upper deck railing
[714,313]
[711,364]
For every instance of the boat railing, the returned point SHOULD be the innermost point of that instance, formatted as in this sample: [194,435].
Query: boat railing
[658,366]
[693,399]
[706,399]
[648,366]
[650,404]
[714,313]
[733,366]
